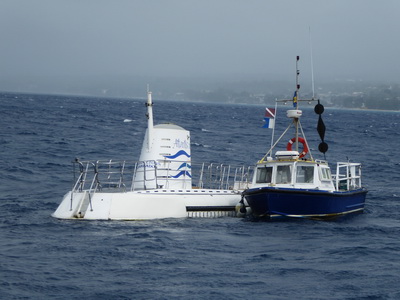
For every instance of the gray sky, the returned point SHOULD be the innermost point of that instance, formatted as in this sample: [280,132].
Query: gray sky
[59,39]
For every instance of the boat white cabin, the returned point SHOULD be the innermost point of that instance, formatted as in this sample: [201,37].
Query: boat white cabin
[287,170]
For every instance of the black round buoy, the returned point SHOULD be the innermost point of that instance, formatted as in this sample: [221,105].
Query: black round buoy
[319,109]
[323,147]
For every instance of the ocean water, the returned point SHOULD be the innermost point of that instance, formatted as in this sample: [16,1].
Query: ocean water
[41,257]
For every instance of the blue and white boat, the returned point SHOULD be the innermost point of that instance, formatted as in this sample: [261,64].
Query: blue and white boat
[295,184]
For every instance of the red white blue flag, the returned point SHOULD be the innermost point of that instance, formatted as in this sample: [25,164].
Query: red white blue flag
[269,118]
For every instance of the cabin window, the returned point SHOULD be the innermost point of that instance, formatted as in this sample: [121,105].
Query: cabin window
[325,174]
[264,175]
[283,174]
[305,174]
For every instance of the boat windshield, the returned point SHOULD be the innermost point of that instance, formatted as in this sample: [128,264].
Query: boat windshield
[264,175]
[283,174]
[305,174]
[325,174]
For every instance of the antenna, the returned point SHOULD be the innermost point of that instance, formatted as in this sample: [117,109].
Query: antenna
[296,95]
[312,66]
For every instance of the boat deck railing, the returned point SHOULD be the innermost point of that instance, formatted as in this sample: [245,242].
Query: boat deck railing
[120,176]
[348,176]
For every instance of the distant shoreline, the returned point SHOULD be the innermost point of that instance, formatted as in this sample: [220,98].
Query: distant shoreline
[192,101]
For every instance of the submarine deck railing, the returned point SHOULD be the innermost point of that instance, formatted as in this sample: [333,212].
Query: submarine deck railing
[121,176]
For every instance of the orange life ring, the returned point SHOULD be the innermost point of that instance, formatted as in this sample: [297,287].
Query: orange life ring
[301,140]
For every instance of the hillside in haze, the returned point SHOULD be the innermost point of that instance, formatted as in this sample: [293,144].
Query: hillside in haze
[337,93]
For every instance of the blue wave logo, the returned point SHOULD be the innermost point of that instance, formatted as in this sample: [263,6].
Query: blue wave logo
[184,165]
[179,153]
[182,173]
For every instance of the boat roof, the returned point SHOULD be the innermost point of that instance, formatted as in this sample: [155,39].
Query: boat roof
[289,156]
[169,126]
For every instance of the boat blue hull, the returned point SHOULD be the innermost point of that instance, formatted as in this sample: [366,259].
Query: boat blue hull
[280,202]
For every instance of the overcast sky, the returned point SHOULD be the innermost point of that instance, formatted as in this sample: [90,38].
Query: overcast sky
[356,39]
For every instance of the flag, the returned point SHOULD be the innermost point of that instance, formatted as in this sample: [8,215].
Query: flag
[295,99]
[269,118]
[269,123]
[270,113]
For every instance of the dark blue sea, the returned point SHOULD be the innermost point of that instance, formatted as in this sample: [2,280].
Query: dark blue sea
[41,257]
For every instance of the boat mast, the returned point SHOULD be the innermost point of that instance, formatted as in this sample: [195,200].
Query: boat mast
[296,102]
[149,116]
[294,114]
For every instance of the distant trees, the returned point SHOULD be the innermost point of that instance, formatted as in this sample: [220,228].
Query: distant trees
[385,97]
[337,94]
